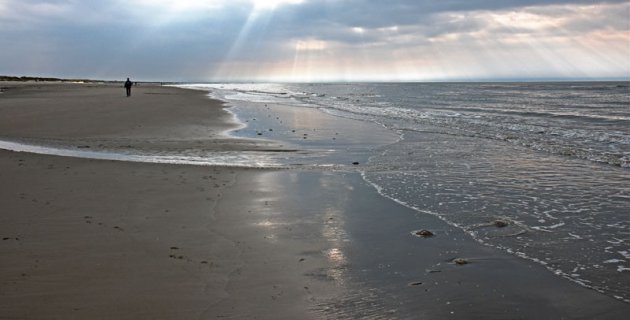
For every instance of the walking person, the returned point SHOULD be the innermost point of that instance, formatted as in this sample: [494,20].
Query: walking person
[128,85]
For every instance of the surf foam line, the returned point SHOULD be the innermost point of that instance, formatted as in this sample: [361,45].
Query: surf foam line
[558,272]
[241,159]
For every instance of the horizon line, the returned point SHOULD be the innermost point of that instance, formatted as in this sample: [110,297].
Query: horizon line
[454,80]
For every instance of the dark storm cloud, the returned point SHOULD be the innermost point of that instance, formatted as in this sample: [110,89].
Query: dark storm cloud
[374,14]
[334,20]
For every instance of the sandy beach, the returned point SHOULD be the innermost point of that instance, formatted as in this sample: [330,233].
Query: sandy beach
[99,239]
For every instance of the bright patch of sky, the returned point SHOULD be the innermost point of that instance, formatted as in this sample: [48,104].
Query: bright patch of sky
[310,40]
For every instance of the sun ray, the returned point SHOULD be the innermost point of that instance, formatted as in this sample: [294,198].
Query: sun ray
[260,16]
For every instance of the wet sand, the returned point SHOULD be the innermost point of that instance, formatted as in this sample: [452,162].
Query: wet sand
[94,239]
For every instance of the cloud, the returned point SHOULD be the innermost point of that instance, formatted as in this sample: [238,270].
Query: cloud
[375,14]
[309,39]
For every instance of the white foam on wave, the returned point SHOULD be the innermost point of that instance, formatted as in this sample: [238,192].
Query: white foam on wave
[622,269]
[614,261]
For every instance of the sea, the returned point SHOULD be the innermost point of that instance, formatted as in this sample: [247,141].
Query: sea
[540,170]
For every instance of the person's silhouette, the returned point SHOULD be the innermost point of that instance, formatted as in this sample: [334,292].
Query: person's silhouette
[128,85]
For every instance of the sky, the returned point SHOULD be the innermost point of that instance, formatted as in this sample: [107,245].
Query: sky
[316,40]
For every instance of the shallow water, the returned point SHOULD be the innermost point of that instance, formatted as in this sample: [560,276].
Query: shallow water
[548,159]
[583,120]
[569,215]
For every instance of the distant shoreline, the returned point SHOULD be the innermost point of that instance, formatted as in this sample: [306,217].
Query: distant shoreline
[47,79]
[25,79]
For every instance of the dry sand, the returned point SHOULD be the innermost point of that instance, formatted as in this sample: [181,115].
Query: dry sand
[102,117]
[94,239]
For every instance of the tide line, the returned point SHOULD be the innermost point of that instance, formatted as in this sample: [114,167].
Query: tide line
[220,159]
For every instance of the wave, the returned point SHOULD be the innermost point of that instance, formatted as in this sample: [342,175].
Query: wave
[585,121]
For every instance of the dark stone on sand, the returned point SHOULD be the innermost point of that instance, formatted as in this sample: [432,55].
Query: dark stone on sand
[500,223]
[174,248]
[423,233]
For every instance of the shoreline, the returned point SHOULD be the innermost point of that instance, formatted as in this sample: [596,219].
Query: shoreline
[324,241]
